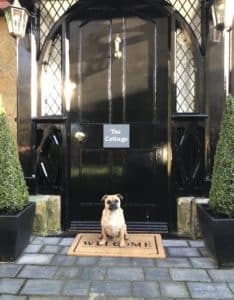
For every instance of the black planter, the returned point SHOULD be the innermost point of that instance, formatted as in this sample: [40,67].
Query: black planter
[218,234]
[15,232]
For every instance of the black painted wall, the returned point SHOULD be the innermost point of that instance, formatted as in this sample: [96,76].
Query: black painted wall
[24,106]
[214,91]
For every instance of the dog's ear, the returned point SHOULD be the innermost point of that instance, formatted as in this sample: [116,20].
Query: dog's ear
[119,196]
[104,197]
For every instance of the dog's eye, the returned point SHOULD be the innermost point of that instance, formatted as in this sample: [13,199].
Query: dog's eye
[116,201]
[108,202]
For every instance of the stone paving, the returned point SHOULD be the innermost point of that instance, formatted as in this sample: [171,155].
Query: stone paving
[44,272]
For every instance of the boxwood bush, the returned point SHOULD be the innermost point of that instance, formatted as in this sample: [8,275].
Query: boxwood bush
[13,190]
[222,187]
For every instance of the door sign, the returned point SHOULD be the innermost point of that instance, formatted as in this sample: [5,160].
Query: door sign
[116,136]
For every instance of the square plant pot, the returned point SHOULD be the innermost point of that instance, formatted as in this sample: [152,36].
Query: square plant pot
[218,234]
[15,232]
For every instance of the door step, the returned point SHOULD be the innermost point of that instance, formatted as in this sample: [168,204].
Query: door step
[94,226]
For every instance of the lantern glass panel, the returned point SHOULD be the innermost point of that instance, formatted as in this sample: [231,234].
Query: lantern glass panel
[17,18]
[9,19]
[20,18]
[218,12]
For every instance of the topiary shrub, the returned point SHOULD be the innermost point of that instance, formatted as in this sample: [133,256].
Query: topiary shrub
[221,199]
[13,190]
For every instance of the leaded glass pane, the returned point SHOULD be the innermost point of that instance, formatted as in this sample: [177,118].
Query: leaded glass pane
[51,11]
[191,11]
[51,85]
[185,75]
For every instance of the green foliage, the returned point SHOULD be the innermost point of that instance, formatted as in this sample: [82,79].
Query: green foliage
[13,190]
[222,187]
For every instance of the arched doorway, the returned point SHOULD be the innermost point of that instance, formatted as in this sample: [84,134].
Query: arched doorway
[120,64]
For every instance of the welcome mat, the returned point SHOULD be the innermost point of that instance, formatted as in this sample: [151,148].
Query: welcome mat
[137,245]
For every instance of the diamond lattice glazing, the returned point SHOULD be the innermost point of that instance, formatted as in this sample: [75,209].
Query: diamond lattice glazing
[52,81]
[191,11]
[185,75]
[51,11]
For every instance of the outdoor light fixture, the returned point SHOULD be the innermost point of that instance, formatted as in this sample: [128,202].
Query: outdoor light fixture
[222,14]
[217,12]
[229,14]
[17,19]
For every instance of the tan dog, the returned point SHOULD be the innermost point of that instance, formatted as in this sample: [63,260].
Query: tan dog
[113,222]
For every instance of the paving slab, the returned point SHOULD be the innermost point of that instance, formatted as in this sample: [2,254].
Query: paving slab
[42,287]
[231,286]
[68,273]
[54,298]
[63,260]
[174,290]
[66,241]
[179,262]
[110,288]
[54,249]
[35,259]
[52,240]
[12,297]
[64,250]
[210,290]
[37,272]
[76,288]
[124,273]
[115,261]
[143,262]
[183,252]
[145,289]
[9,270]
[93,273]
[198,243]
[87,260]
[225,275]
[175,243]
[197,275]
[38,240]
[161,274]
[33,248]
[10,285]
[203,262]
[204,251]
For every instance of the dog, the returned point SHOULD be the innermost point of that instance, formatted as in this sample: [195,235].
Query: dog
[113,221]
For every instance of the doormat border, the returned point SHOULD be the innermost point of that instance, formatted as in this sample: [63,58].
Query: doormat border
[153,246]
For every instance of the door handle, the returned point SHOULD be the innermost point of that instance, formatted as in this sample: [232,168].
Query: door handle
[80,136]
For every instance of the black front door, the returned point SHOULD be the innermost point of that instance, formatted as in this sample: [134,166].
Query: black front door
[120,68]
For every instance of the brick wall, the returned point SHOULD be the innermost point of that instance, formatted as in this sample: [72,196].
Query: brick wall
[8,74]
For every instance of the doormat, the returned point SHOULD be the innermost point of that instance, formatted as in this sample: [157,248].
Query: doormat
[137,245]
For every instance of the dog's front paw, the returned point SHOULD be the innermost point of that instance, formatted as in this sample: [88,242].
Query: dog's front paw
[102,242]
[122,244]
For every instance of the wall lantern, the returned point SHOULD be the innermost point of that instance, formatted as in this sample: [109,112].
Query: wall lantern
[222,12]
[17,19]
[229,14]
[217,12]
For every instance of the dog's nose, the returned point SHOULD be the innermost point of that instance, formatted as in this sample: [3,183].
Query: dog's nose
[112,206]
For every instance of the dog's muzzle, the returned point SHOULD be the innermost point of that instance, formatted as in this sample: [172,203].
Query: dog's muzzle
[113,206]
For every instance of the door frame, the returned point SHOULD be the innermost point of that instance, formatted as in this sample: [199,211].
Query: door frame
[175,19]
